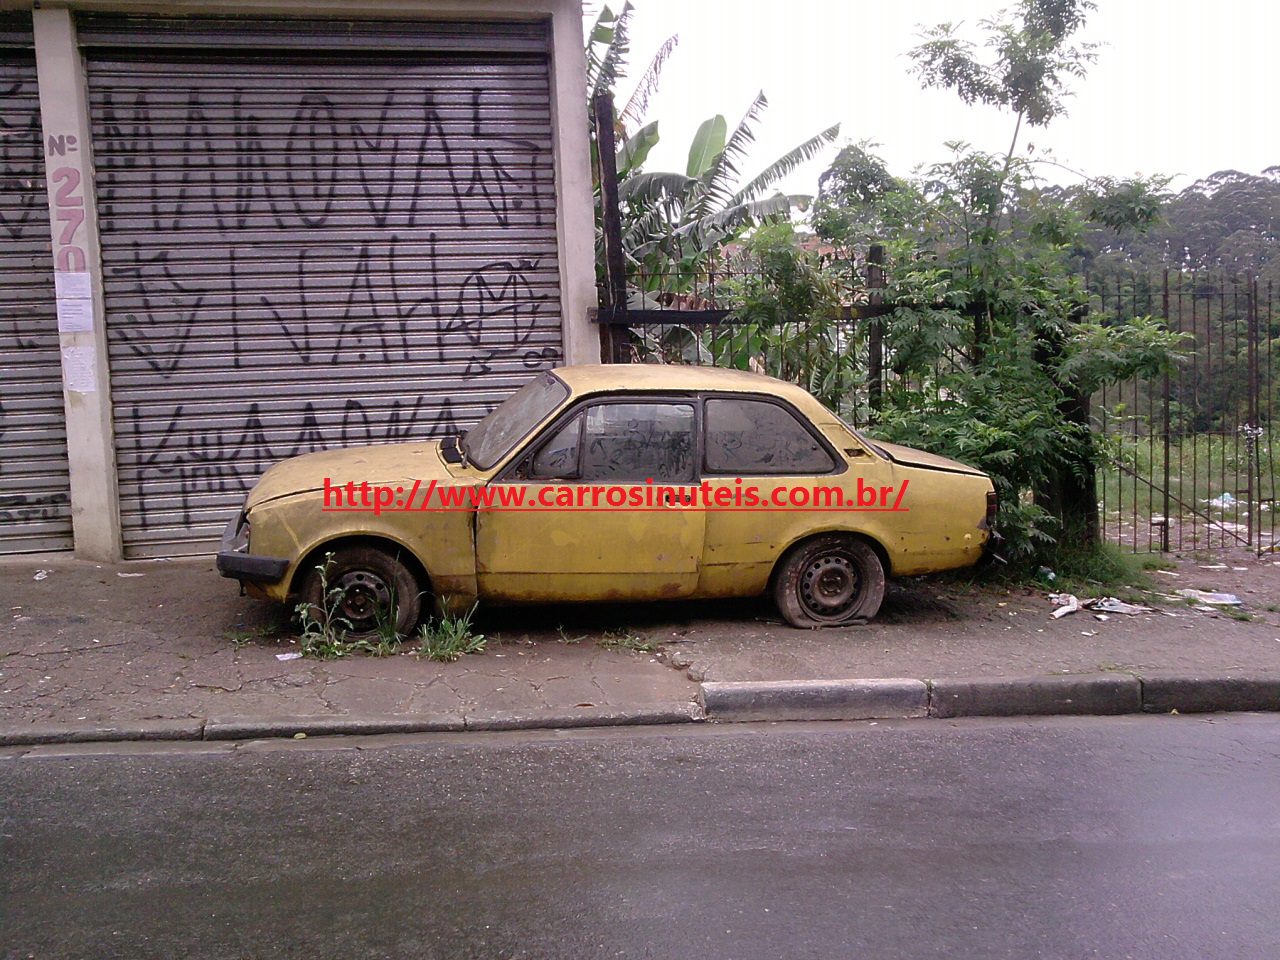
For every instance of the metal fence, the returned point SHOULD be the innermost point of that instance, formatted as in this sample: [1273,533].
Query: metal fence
[1191,456]
[1188,459]
[836,352]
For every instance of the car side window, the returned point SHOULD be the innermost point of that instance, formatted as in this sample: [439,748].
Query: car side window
[558,457]
[636,441]
[748,437]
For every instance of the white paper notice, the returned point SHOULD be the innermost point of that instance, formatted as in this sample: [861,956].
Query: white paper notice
[75,316]
[75,285]
[79,369]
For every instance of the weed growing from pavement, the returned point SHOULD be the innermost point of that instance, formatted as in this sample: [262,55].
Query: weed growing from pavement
[387,639]
[563,637]
[242,638]
[446,638]
[626,639]
[324,632]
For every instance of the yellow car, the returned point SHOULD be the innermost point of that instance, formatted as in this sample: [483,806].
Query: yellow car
[613,483]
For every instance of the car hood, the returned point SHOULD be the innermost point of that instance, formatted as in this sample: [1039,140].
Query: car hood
[911,457]
[389,463]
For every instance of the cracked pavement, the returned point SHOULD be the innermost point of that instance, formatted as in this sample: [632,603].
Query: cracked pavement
[171,640]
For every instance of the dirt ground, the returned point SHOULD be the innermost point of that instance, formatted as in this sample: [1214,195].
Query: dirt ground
[938,627]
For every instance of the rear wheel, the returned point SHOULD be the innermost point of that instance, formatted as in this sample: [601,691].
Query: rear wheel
[364,590]
[829,581]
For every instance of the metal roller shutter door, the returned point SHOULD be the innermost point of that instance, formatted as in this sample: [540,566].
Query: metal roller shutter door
[35,488]
[303,250]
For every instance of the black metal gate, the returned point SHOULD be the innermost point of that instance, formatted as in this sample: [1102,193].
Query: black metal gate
[1191,460]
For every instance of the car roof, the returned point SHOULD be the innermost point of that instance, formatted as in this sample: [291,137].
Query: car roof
[603,378]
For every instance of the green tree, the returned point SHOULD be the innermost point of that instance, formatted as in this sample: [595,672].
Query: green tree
[991,351]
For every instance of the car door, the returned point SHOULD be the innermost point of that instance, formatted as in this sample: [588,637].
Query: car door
[602,517]
[761,463]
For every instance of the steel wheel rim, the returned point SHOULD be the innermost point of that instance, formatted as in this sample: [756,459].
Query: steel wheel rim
[830,587]
[364,593]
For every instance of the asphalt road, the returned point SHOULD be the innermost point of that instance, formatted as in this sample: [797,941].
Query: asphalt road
[1154,837]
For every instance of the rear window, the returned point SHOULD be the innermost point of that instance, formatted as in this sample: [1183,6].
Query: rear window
[749,437]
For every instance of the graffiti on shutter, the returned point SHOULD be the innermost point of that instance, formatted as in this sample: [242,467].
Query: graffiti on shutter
[337,254]
[35,501]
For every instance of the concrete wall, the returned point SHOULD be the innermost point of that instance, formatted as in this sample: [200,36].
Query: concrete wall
[65,118]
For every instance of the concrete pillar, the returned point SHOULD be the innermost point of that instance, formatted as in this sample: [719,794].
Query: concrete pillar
[77,258]
[576,223]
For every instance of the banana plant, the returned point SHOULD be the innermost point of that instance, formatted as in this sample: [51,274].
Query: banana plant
[674,224]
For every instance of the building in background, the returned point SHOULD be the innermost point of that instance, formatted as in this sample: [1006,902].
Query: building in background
[228,237]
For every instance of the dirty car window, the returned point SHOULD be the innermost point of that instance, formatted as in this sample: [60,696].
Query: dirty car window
[494,436]
[637,441]
[558,457]
[753,437]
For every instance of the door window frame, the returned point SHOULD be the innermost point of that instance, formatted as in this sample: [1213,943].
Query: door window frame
[516,471]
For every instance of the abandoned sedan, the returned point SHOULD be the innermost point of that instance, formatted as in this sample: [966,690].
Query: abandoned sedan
[613,483]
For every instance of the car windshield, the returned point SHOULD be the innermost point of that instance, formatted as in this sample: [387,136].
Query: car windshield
[493,437]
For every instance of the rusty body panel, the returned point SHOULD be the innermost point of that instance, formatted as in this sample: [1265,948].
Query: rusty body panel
[515,556]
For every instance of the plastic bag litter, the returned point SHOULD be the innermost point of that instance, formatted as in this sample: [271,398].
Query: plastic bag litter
[1212,599]
[41,575]
[1066,602]
[1112,605]
[1223,501]
[289,656]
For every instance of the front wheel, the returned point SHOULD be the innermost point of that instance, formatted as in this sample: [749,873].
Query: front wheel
[829,581]
[365,588]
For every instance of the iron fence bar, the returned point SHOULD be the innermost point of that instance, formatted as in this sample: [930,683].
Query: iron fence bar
[1164,533]
[1253,440]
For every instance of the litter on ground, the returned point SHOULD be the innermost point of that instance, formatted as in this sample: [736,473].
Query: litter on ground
[1213,599]
[1068,603]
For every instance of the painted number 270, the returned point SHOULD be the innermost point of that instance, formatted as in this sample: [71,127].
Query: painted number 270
[68,207]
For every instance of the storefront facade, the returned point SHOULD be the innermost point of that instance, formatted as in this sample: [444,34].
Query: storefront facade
[238,234]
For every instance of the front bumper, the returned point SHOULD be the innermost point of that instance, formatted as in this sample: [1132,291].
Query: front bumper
[235,561]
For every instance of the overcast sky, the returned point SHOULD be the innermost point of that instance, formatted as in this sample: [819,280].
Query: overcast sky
[1180,88]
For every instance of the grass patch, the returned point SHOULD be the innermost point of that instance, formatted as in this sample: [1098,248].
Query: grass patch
[448,638]
[242,637]
[1093,571]
[626,639]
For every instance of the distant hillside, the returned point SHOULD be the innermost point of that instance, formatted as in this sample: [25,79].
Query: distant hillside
[1228,221]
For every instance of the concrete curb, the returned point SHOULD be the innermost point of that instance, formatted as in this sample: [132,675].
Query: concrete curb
[739,702]
[1101,694]
[1162,693]
[1106,694]
[240,728]
[100,732]
[814,699]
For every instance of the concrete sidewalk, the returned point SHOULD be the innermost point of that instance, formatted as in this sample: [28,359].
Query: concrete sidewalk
[168,649]
[103,646]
